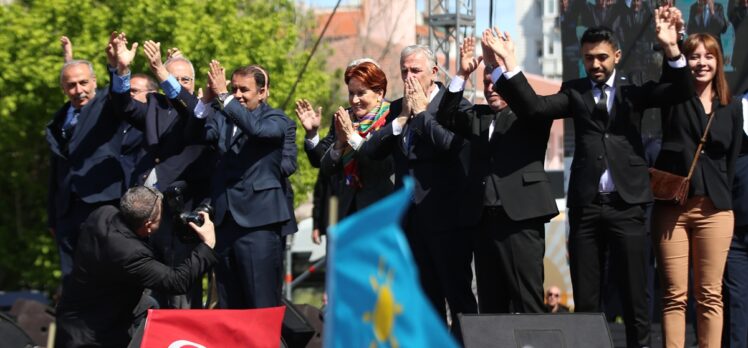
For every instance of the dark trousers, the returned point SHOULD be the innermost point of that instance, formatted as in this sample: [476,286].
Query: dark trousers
[736,291]
[610,225]
[443,260]
[250,262]
[66,233]
[509,263]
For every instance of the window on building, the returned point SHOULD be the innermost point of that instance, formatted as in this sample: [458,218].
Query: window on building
[539,8]
[539,47]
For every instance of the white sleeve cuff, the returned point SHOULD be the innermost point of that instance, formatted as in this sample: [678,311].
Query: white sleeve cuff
[509,74]
[200,109]
[396,128]
[457,84]
[228,100]
[676,64]
[313,141]
[355,141]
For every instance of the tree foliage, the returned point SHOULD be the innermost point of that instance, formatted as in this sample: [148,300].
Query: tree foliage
[235,32]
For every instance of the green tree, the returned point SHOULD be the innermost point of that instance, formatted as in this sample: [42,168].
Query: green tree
[235,32]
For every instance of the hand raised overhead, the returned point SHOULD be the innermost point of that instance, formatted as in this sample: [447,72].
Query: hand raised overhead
[666,26]
[67,49]
[468,61]
[310,120]
[502,45]
[217,79]
[124,55]
[173,53]
[152,52]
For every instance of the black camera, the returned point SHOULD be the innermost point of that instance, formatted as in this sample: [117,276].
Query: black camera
[175,199]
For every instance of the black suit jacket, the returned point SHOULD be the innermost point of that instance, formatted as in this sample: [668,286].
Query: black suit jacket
[112,267]
[168,126]
[288,167]
[434,157]
[513,158]
[716,25]
[314,154]
[740,186]
[683,126]
[247,180]
[616,143]
[88,166]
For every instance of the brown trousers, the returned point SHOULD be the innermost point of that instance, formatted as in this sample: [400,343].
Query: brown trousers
[700,231]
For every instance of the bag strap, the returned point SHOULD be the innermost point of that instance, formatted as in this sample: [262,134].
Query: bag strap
[702,141]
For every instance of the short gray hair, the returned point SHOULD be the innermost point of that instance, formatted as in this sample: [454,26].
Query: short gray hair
[77,62]
[423,49]
[138,205]
[180,59]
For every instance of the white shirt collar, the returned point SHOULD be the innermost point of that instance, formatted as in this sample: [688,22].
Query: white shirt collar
[434,92]
[609,83]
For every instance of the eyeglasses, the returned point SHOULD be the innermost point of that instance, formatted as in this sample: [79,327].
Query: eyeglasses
[184,79]
[553,295]
[156,195]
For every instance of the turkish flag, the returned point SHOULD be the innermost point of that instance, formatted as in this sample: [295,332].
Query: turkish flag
[208,328]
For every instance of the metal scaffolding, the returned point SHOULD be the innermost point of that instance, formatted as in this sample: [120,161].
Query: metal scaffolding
[449,22]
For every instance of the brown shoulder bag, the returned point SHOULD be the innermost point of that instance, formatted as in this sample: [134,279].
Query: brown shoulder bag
[670,188]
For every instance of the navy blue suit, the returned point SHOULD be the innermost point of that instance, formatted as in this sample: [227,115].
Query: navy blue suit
[250,203]
[85,171]
[437,160]
[288,167]
[168,127]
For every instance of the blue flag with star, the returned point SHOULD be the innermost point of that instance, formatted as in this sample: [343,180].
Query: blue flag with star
[375,298]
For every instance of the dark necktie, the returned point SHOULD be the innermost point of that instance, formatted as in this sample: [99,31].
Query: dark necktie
[601,108]
[69,126]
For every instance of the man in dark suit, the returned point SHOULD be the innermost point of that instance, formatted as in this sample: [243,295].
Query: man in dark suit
[247,186]
[167,155]
[707,16]
[508,199]
[85,171]
[736,278]
[114,264]
[609,183]
[436,159]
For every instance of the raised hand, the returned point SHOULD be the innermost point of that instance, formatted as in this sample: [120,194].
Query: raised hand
[468,61]
[67,49]
[124,55]
[666,22]
[217,78]
[415,96]
[310,120]
[173,53]
[152,52]
[502,45]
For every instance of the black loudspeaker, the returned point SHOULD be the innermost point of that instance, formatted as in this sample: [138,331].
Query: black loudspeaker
[34,318]
[296,331]
[567,330]
[11,335]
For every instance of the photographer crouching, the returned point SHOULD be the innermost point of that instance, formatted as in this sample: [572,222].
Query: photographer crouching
[113,265]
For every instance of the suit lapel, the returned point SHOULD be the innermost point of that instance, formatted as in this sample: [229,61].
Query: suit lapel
[53,130]
[87,119]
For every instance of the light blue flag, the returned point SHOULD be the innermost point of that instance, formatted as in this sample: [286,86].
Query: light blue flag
[375,298]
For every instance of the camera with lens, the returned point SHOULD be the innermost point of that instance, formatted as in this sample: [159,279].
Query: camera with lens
[175,199]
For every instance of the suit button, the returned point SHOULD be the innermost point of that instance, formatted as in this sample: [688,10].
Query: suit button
[484,183]
[702,152]
[157,161]
[600,157]
[145,176]
[607,136]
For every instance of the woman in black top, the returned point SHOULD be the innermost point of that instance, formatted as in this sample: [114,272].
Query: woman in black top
[701,228]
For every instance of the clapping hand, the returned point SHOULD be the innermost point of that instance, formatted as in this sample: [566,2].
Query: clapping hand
[343,126]
[173,53]
[415,97]
[468,61]
[310,120]
[502,46]
[152,51]
[124,55]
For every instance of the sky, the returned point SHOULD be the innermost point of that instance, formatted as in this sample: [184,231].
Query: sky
[503,11]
